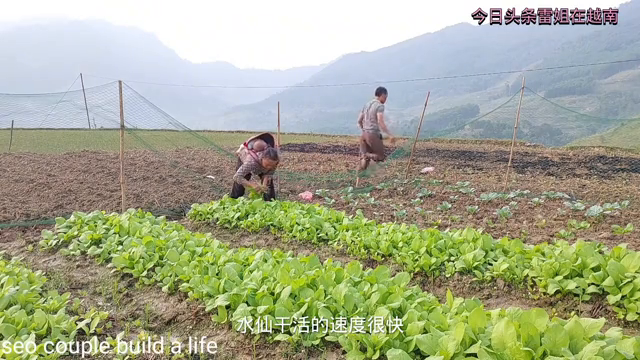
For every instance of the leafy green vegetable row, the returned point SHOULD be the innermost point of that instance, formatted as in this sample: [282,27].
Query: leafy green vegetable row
[257,283]
[581,269]
[32,321]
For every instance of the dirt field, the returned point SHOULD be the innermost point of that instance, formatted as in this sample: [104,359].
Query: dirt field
[39,186]
[42,186]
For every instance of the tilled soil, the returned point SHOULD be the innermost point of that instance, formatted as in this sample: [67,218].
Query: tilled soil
[40,186]
[564,165]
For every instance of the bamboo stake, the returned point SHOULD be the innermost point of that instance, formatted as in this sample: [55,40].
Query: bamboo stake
[121,146]
[278,138]
[85,100]
[406,175]
[11,136]
[513,140]
[278,148]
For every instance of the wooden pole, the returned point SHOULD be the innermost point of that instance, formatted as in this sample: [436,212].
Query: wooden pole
[121,146]
[406,175]
[278,148]
[278,137]
[11,136]
[513,140]
[85,100]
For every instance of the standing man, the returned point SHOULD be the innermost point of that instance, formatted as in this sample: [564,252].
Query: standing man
[256,157]
[371,121]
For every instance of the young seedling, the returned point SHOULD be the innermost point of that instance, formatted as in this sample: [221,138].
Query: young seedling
[537,201]
[574,225]
[575,205]
[445,206]
[472,209]
[596,211]
[322,193]
[401,213]
[518,194]
[619,230]
[566,235]
[555,195]
[504,212]
[383,186]
[493,196]
[425,193]
[467,190]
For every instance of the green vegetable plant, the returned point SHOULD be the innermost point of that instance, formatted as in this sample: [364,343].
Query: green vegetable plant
[463,187]
[555,195]
[575,205]
[259,286]
[598,211]
[619,230]
[580,269]
[504,213]
[564,234]
[30,316]
[445,206]
[323,193]
[425,193]
[574,225]
[492,196]
[537,201]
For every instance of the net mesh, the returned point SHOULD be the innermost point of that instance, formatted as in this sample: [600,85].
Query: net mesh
[61,123]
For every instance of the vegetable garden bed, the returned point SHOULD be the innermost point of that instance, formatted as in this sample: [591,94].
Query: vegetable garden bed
[263,284]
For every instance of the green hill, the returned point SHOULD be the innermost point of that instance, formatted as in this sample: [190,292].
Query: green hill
[602,93]
[626,136]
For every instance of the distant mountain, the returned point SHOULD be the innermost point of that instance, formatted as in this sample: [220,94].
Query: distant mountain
[47,57]
[559,107]
[469,49]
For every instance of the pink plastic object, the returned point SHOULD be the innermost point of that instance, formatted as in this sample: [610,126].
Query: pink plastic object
[307,195]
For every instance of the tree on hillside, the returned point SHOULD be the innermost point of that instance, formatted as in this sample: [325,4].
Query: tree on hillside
[444,119]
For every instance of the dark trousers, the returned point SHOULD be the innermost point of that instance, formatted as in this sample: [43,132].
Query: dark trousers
[238,190]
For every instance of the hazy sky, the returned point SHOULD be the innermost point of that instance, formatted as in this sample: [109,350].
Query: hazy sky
[275,34]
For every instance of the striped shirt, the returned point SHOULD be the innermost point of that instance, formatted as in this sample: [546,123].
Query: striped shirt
[251,166]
